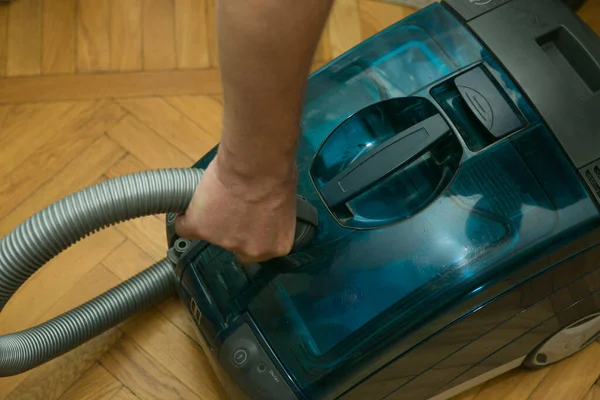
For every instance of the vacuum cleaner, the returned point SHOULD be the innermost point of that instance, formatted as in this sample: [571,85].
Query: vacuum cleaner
[448,221]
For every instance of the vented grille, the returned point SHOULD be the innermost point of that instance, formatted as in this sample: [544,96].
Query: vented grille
[591,175]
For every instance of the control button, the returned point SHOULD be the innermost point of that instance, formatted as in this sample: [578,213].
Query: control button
[261,367]
[240,357]
[469,9]
[247,363]
[487,103]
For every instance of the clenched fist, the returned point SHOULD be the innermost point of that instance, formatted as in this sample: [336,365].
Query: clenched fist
[251,216]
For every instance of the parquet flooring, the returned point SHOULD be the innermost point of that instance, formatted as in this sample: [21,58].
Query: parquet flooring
[91,89]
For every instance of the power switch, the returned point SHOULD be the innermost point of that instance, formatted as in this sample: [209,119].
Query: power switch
[240,357]
[243,353]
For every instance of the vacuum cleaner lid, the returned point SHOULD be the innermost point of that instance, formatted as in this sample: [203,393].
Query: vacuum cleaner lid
[421,202]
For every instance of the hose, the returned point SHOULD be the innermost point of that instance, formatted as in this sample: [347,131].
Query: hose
[54,229]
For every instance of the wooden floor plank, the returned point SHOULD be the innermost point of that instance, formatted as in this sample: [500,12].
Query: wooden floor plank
[24,47]
[171,124]
[323,50]
[98,280]
[159,35]
[175,311]
[377,15]
[221,99]
[127,260]
[78,133]
[572,378]
[124,394]
[590,13]
[27,128]
[176,352]
[45,288]
[109,85]
[93,44]
[59,37]
[4,111]
[127,165]
[191,34]
[32,130]
[205,111]
[3,37]
[83,171]
[140,372]
[517,384]
[12,115]
[593,394]
[147,146]
[125,35]
[148,233]
[94,283]
[51,380]
[468,395]
[97,383]
[344,26]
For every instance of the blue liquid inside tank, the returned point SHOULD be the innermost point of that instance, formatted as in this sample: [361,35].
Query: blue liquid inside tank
[460,217]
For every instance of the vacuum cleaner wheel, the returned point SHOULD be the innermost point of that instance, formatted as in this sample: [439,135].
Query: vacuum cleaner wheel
[565,342]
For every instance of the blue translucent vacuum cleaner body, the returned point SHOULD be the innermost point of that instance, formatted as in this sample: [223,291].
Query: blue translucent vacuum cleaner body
[448,215]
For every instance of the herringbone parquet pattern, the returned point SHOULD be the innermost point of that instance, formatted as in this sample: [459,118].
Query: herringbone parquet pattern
[91,89]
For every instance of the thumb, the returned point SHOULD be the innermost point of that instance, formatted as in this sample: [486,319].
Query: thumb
[183,226]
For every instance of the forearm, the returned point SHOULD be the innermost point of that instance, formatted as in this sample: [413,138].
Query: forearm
[265,51]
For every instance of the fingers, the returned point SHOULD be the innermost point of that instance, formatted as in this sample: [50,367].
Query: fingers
[265,251]
[183,227]
[246,251]
[254,234]
[247,258]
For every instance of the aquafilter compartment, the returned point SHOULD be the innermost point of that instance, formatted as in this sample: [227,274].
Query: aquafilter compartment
[386,162]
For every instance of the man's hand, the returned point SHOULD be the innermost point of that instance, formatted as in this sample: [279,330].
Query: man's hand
[246,201]
[254,217]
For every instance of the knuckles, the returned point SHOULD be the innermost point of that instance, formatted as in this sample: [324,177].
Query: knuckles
[251,246]
[257,251]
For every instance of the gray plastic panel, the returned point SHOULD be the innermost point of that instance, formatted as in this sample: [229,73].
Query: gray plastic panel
[469,9]
[555,58]
[246,362]
[487,103]
[591,176]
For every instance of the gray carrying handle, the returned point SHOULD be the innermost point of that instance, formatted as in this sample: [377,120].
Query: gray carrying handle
[383,160]
[307,222]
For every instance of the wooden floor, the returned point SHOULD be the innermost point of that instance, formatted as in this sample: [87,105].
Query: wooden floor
[91,89]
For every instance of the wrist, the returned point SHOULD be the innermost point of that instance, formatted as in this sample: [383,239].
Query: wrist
[256,175]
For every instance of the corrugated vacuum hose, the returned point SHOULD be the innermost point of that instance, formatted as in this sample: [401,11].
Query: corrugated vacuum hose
[49,232]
